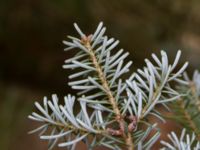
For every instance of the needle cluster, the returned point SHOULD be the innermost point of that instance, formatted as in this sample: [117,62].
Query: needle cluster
[114,107]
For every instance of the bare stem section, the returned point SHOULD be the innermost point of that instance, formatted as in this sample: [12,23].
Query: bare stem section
[119,117]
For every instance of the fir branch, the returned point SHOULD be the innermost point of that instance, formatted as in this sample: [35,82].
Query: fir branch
[195,89]
[63,122]
[185,142]
[112,100]
[151,86]
[187,109]
[97,76]
[188,118]
[87,45]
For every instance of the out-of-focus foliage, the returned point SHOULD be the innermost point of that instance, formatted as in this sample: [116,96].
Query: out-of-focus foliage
[186,111]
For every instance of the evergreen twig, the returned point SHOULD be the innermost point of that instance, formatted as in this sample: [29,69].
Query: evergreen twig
[119,108]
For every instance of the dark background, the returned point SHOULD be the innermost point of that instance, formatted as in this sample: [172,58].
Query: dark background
[31,51]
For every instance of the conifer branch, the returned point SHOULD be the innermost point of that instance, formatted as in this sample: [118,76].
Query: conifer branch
[187,109]
[119,109]
[185,142]
[189,119]
[112,100]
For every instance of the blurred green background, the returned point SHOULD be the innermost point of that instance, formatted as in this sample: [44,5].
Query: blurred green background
[31,52]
